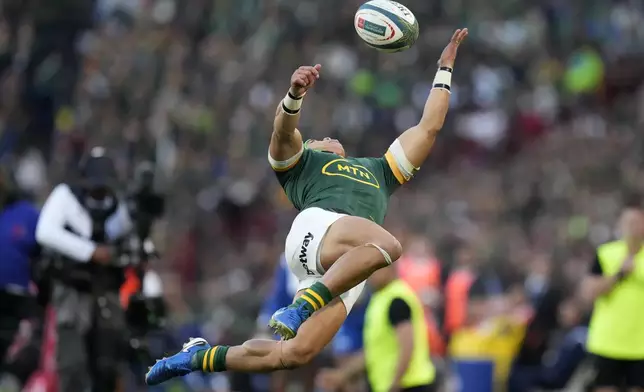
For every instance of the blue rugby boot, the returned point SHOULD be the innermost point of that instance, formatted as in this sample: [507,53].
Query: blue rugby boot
[286,321]
[177,365]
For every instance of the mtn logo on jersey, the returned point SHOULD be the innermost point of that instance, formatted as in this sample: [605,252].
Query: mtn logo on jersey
[343,168]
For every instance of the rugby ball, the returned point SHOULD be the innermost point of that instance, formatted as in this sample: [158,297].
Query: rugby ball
[386,25]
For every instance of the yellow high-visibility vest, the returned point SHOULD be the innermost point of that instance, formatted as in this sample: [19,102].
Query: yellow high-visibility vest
[616,328]
[381,344]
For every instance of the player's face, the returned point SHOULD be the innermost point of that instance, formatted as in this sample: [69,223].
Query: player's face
[327,144]
[632,223]
[99,192]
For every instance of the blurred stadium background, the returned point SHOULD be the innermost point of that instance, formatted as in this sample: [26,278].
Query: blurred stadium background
[543,139]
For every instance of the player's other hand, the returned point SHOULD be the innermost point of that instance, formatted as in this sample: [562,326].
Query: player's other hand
[449,53]
[304,78]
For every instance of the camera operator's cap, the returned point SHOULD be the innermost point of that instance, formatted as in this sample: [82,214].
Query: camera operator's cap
[98,170]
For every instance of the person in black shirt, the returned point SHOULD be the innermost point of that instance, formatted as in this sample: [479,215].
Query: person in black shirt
[617,373]
[399,313]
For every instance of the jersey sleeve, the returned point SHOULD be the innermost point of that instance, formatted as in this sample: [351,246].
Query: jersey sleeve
[291,168]
[398,170]
[388,174]
[398,162]
[286,165]
[399,312]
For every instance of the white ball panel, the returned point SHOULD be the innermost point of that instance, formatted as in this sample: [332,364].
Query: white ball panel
[395,8]
[386,25]
[391,33]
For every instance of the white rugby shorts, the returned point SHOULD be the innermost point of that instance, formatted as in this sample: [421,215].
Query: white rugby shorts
[303,248]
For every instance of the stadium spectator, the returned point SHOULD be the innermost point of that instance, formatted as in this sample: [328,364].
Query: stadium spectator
[18,219]
[553,346]
[419,267]
[467,291]
[422,270]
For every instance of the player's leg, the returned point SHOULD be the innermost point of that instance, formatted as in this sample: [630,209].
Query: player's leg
[351,249]
[635,376]
[259,355]
[609,374]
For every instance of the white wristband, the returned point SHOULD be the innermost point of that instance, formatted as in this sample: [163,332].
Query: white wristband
[292,104]
[443,79]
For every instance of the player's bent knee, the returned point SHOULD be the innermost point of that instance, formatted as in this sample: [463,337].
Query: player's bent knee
[396,249]
[389,246]
[298,352]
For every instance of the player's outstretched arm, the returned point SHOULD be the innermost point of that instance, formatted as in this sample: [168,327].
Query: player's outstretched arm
[411,148]
[286,140]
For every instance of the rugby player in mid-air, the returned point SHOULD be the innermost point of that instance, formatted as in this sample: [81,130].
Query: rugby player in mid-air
[336,241]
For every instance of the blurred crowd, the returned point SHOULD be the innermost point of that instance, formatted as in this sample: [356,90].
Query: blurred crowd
[542,141]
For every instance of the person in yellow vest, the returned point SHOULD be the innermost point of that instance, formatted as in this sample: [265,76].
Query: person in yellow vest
[616,286]
[396,354]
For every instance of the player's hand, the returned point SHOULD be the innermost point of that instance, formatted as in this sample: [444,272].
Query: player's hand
[102,255]
[304,78]
[449,53]
[628,265]
[329,379]
[634,246]
[625,269]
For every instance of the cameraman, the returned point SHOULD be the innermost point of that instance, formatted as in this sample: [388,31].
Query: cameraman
[82,224]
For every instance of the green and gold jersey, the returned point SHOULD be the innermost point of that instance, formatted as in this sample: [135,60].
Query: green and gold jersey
[354,186]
